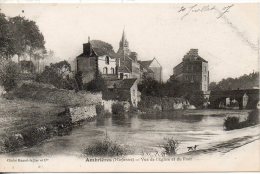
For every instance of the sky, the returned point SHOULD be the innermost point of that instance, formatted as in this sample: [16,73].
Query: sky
[229,42]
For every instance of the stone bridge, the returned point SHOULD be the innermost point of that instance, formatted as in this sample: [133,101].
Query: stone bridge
[245,98]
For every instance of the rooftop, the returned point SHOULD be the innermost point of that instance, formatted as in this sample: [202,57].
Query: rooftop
[121,84]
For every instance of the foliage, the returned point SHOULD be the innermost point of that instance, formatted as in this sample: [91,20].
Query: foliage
[6,38]
[171,146]
[172,88]
[149,87]
[105,147]
[13,142]
[253,117]
[9,73]
[118,108]
[79,80]
[196,99]
[20,36]
[58,75]
[27,36]
[243,82]
[231,123]
[96,85]
[100,109]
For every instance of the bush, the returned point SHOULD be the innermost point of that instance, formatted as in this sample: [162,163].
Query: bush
[171,146]
[118,109]
[105,147]
[57,75]
[13,142]
[96,85]
[253,117]
[9,71]
[231,123]
[100,109]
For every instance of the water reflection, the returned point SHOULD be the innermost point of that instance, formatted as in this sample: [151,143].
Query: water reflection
[141,132]
[121,120]
[175,116]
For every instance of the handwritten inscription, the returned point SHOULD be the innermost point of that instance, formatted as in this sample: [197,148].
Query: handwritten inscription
[185,11]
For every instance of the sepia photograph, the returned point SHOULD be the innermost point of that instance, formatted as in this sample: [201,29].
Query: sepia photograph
[129,86]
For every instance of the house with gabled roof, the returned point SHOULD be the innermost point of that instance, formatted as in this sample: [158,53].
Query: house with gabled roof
[97,57]
[151,68]
[122,90]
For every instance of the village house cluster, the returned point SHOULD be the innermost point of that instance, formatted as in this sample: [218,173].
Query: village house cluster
[122,70]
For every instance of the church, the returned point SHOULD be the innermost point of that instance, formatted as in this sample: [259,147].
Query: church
[131,67]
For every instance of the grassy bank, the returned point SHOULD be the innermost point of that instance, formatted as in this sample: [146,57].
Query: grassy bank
[39,92]
[30,121]
[34,112]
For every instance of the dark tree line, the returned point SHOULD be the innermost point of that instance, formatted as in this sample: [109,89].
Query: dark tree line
[243,82]
[20,36]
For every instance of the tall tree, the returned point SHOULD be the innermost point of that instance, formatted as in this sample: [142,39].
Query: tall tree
[6,39]
[27,36]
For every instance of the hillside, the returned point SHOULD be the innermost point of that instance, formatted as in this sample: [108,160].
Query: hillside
[243,82]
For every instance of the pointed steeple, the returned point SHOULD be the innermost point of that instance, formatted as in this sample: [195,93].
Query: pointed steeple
[123,43]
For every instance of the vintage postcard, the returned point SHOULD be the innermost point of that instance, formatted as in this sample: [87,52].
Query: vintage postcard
[129,87]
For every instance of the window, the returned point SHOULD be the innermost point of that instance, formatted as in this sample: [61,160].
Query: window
[205,78]
[107,60]
[105,70]
[121,75]
[205,87]
[112,71]
[205,69]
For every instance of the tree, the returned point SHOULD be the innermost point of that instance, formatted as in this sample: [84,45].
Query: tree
[6,38]
[58,75]
[243,82]
[27,36]
[213,86]
[97,84]
[79,80]
[150,87]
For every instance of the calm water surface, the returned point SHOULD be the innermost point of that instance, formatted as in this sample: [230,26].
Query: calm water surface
[140,133]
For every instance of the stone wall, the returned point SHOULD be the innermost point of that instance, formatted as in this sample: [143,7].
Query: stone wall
[82,113]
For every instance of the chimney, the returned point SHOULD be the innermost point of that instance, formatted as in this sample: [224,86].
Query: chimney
[87,48]
[193,52]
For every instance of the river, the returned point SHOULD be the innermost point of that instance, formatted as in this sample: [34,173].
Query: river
[140,133]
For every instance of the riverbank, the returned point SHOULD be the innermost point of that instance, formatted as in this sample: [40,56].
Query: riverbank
[231,145]
[34,112]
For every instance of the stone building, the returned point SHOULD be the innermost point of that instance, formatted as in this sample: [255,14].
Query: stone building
[193,72]
[151,68]
[124,90]
[97,57]
[128,66]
